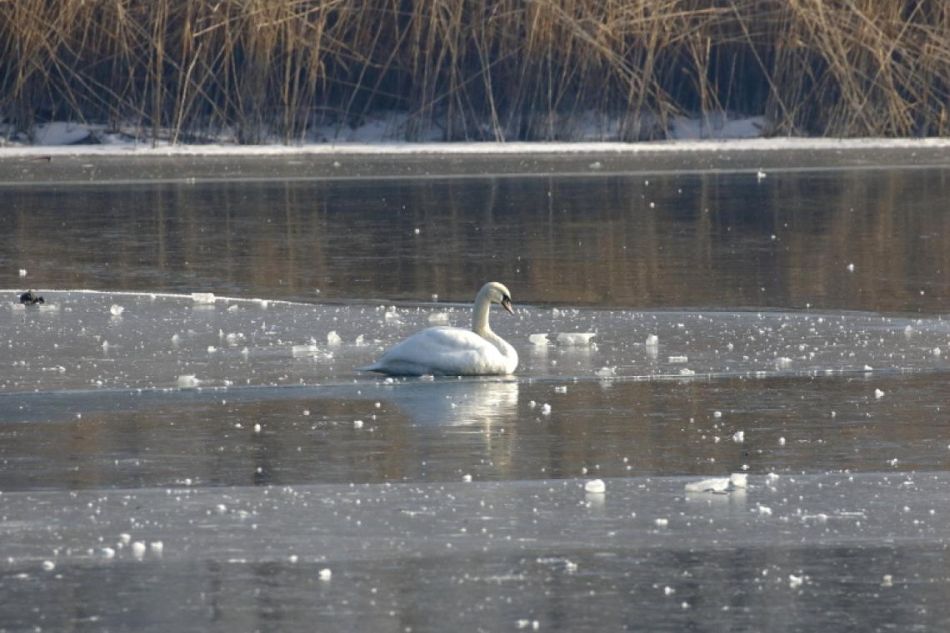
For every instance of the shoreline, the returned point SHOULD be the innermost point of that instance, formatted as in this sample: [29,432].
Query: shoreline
[190,164]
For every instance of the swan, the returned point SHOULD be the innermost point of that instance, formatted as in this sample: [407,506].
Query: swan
[454,351]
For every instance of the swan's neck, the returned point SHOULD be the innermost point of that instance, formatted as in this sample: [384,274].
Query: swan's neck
[480,326]
[480,316]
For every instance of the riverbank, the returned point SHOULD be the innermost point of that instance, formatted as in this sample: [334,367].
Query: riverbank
[98,164]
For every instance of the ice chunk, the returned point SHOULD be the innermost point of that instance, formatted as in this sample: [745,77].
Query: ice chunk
[678,360]
[718,484]
[188,381]
[116,310]
[738,437]
[539,340]
[333,339]
[48,565]
[661,522]
[652,341]
[878,394]
[595,486]
[357,424]
[23,272]
[576,339]
[325,574]
[203,297]
[303,350]
[851,267]
[138,550]
[233,338]
[439,317]
[739,480]
[545,409]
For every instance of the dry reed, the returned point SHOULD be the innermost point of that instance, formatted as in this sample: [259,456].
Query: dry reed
[477,69]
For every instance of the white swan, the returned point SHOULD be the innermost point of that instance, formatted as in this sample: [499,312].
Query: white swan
[453,351]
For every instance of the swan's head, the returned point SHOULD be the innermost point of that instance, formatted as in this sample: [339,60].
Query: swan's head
[498,293]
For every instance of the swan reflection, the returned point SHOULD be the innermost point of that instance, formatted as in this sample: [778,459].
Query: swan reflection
[456,402]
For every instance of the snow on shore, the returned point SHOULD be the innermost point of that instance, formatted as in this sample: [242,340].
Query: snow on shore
[688,136]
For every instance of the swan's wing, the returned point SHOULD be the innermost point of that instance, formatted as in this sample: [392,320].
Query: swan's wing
[441,351]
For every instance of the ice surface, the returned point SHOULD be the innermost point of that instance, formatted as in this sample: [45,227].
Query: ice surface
[690,141]
[372,537]
[714,344]
[140,492]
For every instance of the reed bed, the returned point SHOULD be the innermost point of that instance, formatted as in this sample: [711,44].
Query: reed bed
[475,69]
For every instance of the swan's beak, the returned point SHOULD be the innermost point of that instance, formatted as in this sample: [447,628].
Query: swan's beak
[506,304]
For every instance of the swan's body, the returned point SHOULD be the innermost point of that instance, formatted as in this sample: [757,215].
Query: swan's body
[453,351]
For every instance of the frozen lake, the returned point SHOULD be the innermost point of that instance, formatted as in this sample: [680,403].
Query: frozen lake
[186,444]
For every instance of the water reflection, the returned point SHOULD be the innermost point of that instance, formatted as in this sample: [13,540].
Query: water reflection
[457,402]
[709,239]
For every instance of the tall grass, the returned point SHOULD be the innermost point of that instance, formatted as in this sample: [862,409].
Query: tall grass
[477,69]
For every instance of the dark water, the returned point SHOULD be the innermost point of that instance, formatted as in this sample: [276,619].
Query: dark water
[172,464]
[661,241]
